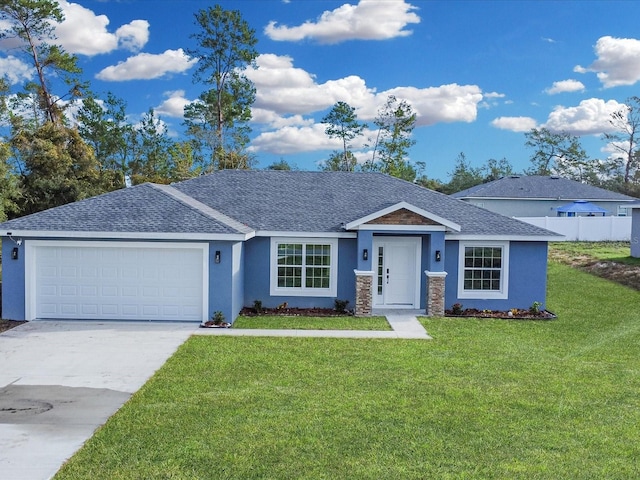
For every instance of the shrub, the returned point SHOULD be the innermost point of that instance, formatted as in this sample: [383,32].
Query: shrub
[341,305]
[257,306]
[218,318]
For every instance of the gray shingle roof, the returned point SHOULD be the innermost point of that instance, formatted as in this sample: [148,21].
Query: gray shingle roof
[143,208]
[541,187]
[322,201]
[236,201]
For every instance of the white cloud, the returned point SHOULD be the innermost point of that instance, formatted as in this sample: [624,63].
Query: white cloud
[590,117]
[443,104]
[271,118]
[174,105]
[15,70]
[368,20]
[284,89]
[294,140]
[515,124]
[133,36]
[83,32]
[565,86]
[618,61]
[145,66]
[286,94]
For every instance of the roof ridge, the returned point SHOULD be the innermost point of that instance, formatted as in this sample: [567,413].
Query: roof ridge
[201,208]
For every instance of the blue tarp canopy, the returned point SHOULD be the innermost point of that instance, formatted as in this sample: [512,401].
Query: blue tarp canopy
[581,206]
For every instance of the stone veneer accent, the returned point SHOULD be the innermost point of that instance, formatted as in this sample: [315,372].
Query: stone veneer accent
[435,293]
[364,294]
[402,217]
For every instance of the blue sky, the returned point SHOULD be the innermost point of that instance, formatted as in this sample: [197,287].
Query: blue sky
[478,73]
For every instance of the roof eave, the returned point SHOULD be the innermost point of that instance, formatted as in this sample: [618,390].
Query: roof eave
[519,238]
[234,237]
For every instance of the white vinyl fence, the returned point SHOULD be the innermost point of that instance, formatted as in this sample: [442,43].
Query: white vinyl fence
[585,229]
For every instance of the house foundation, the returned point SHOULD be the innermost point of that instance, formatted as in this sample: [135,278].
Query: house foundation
[435,293]
[364,296]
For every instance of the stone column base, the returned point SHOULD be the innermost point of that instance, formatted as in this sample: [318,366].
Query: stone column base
[364,293]
[435,293]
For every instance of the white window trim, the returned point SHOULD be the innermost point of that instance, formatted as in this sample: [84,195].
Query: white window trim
[501,294]
[332,291]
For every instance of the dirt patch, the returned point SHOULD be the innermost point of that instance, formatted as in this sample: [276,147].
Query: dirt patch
[622,273]
[8,325]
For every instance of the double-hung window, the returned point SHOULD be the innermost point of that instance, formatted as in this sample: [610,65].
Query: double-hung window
[304,267]
[483,270]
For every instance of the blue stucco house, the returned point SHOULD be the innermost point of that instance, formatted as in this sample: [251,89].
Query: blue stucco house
[219,242]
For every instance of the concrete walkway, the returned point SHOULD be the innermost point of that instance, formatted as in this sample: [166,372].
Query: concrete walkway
[60,380]
[403,322]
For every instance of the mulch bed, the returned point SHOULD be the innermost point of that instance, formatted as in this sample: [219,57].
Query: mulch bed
[294,312]
[514,314]
[9,324]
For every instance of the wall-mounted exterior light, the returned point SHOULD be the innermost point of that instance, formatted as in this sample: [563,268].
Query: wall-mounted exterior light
[216,258]
[365,254]
[438,256]
[14,253]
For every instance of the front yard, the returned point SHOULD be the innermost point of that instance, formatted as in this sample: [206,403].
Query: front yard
[484,399]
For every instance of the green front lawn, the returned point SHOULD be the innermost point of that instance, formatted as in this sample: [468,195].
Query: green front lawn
[483,399]
[312,323]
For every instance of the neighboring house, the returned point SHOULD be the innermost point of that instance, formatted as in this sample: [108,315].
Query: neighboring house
[540,196]
[222,241]
[635,230]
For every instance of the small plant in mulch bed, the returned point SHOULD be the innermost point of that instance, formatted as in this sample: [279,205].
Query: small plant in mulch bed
[341,306]
[535,312]
[456,309]
[217,321]
[257,307]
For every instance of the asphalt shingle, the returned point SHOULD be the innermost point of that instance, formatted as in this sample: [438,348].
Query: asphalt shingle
[540,187]
[294,201]
[238,201]
[143,209]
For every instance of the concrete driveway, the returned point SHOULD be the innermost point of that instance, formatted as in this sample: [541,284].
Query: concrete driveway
[59,381]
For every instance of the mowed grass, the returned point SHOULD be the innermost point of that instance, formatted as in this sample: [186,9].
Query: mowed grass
[312,323]
[490,399]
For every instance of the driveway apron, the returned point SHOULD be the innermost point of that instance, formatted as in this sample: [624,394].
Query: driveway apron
[60,381]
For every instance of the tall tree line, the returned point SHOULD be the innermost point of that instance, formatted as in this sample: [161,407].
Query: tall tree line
[49,157]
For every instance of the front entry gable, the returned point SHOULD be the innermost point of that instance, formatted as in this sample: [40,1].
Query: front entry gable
[403,216]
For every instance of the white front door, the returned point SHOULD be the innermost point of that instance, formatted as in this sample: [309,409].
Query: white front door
[397,279]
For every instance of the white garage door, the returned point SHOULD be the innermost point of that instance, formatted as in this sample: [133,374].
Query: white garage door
[120,281]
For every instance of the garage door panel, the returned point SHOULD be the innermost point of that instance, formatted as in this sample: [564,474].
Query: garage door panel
[123,282]
[69,309]
[89,309]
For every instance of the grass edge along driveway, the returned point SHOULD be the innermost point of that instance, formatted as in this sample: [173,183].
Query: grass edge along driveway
[484,399]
